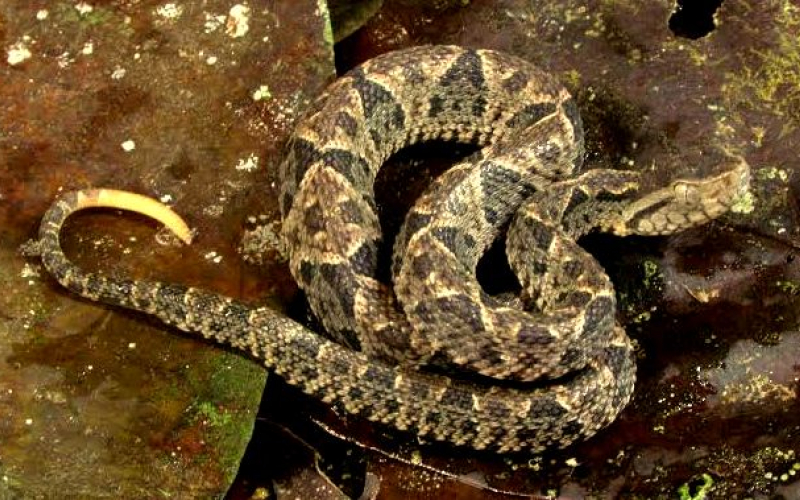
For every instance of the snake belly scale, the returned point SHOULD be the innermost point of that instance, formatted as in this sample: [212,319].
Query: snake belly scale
[434,354]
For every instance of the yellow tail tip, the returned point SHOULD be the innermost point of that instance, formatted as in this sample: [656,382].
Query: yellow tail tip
[125,200]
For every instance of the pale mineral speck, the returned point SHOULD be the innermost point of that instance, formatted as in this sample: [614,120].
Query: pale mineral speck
[261,93]
[28,421]
[88,48]
[131,345]
[42,14]
[83,8]
[18,53]
[214,210]
[128,146]
[213,22]
[170,11]
[247,164]
[64,60]
[29,271]
[238,23]
[118,73]
[165,198]
[211,60]
[213,257]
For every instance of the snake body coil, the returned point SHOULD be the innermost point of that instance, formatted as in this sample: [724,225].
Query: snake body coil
[529,378]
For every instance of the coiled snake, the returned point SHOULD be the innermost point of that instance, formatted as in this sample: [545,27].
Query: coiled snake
[544,375]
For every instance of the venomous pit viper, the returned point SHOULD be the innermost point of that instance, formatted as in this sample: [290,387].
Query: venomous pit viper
[543,375]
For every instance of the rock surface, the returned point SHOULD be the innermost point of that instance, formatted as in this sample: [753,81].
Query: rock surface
[192,103]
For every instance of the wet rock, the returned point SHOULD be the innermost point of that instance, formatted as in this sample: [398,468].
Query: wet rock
[713,311]
[158,98]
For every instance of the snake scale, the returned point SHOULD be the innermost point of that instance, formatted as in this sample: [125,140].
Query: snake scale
[434,354]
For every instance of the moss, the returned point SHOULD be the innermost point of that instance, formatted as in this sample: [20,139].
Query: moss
[772,173]
[327,30]
[213,415]
[773,79]
[789,287]
[760,470]
[684,492]
[744,204]
[652,275]
[228,389]
[97,17]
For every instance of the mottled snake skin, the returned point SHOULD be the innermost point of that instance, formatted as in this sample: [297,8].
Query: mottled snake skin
[435,354]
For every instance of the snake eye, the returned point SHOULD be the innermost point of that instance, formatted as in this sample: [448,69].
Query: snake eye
[686,193]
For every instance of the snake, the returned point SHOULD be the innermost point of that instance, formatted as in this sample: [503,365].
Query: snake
[428,351]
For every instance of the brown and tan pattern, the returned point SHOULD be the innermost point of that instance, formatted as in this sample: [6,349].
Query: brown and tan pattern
[434,354]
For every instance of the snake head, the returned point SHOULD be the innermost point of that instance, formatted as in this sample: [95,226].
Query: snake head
[685,203]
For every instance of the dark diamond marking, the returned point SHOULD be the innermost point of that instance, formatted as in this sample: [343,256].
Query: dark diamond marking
[534,335]
[530,114]
[169,302]
[463,308]
[457,241]
[302,154]
[436,105]
[465,72]
[499,412]
[305,354]
[314,219]
[365,260]
[350,212]
[577,198]
[540,234]
[575,298]
[598,314]
[95,284]
[422,265]
[416,221]
[456,398]
[495,178]
[353,167]
[546,409]
[379,377]
[346,124]
[340,278]
[355,393]
[372,95]
[571,357]
[380,108]
[491,215]
[570,108]
[572,428]
[234,317]
[572,269]
[515,82]
[286,202]
[539,268]
[468,428]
